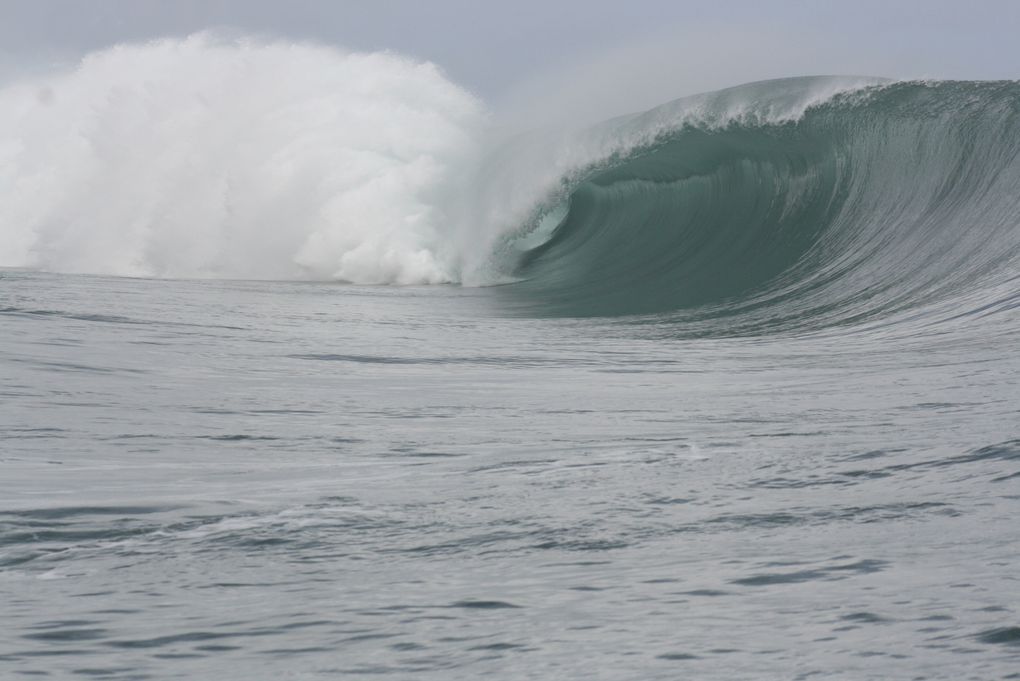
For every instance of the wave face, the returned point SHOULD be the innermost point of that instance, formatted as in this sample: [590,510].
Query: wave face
[210,158]
[873,202]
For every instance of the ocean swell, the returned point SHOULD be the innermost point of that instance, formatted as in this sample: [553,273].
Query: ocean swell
[871,203]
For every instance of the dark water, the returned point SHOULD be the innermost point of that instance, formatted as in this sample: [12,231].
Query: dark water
[221,480]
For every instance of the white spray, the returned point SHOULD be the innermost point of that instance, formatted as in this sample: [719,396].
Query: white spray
[209,158]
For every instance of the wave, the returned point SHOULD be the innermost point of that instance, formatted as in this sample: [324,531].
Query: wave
[782,204]
[872,202]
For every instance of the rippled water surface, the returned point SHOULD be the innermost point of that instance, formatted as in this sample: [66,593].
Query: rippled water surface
[224,480]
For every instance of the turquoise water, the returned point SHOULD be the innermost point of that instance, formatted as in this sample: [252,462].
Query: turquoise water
[744,406]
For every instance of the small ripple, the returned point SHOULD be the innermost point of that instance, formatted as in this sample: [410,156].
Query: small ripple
[109,319]
[235,438]
[857,514]
[678,656]
[1007,636]
[110,671]
[581,545]
[61,512]
[483,605]
[65,635]
[73,367]
[496,647]
[1003,451]
[189,637]
[864,618]
[830,573]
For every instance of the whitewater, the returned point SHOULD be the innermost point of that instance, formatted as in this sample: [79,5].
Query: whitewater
[313,365]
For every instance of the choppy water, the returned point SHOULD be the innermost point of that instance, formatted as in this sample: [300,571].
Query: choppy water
[239,480]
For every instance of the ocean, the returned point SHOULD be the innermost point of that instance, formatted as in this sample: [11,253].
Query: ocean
[307,381]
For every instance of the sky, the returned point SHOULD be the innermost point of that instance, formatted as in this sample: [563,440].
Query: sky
[634,52]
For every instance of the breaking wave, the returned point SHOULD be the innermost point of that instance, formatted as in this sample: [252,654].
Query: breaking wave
[872,202]
[797,202]
[209,158]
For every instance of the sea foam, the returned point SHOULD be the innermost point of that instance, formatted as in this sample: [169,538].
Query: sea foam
[208,157]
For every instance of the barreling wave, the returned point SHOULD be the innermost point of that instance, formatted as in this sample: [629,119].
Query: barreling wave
[873,202]
[794,203]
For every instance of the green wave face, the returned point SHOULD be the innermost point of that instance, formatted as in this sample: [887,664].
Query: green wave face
[872,203]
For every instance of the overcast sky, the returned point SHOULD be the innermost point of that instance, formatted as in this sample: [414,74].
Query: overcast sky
[516,46]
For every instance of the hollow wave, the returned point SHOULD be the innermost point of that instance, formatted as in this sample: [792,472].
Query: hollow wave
[872,202]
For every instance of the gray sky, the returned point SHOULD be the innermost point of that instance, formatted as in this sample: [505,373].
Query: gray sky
[514,49]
